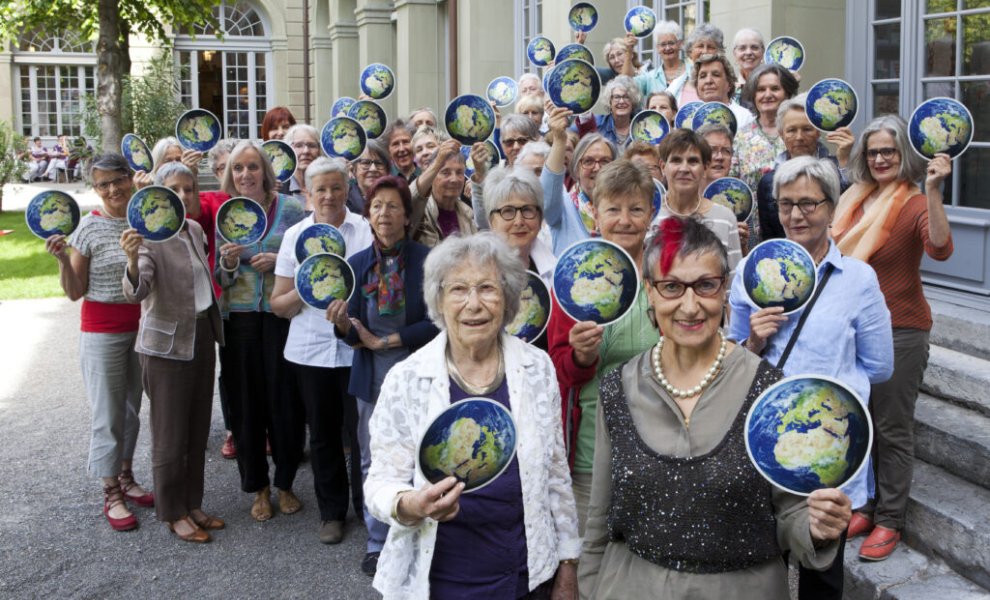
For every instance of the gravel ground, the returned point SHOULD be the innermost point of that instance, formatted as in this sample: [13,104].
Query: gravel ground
[54,540]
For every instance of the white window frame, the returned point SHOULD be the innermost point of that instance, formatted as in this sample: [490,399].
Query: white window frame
[525,30]
[647,49]
[59,59]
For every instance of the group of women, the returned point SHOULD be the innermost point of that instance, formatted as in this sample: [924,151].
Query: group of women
[630,477]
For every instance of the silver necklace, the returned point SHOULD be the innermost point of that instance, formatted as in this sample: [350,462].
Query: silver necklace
[707,379]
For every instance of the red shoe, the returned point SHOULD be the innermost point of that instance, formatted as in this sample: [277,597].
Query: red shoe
[113,497]
[127,484]
[880,544]
[859,525]
[229,450]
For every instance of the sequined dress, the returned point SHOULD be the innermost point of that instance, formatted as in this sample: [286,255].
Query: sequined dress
[608,569]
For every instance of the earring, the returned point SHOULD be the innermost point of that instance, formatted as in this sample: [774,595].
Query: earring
[651,314]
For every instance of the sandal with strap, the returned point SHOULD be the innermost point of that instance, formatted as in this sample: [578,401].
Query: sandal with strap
[113,496]
[127,484]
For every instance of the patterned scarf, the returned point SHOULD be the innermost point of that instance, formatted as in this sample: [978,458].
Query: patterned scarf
[387,282]
[860,239]
[583,203]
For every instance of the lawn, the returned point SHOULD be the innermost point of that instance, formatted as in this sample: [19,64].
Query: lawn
[26,270]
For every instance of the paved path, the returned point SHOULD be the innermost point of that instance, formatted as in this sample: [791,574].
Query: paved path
[54,540]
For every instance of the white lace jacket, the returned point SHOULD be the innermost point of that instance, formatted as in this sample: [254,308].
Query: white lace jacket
[414,392]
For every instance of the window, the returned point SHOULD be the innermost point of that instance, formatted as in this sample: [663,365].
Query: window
[54,73]
[885,79]
[230,77]
[529,24]
[687,13]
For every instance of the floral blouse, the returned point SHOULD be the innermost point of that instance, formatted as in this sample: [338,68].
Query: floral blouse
[754,153]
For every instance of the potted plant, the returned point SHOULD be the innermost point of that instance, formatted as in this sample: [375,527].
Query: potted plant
[12,148]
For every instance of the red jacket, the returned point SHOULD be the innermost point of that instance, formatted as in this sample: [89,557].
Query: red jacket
[570,376]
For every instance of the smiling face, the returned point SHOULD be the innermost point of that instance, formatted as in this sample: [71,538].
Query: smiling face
[183,186]
[400,149]
[595,157]
[114,189]
[387,216]
[529,86]
[702,47]
[423,149]
[799,135]
[684,171]
[721,155]
[367,169]
[669,48]
[712,83]
[662,105]
[748,52]
[518,232]
[449,182]
[769,94]
[307,149]
[616,57]
[620,104]
[883,170]
[811,230]
[690,321]
[248,175]
[421,118]
[328,194]
[476,320]
[624,220]
[512,142]
[278,131]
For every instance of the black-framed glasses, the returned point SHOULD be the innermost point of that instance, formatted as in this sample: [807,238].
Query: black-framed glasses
[589,162]
[887,153]
[368,163]
[519,141]
[508,213]
[117,182]
[806,207]
[672,289]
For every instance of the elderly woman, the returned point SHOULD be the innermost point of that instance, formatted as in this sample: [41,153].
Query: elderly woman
[516,537]
[422,116]
[719,138]
[885,220]
[531,85]
[398,137]
[615,57]
[276,123]
[320,360]
[532,108]
[179,327]
[622,97]
[671,420]
[800,138]
[365,171]
[715,81]
[516,131]
[747,49]
[255,372]
[673,70]
[438,209]
[425,142]
[583,352]
[704,40]
[646,155]
[664,103]
[759,144]
[168,150]
[385,321]
[305,142]
[111,372]
[685,157]
[569,213]
[846,333]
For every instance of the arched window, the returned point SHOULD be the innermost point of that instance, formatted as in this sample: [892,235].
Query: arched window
[228,77]
[54,73]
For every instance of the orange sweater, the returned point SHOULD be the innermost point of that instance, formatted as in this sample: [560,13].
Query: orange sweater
[898,265]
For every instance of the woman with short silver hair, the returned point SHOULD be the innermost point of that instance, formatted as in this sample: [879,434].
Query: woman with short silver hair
[305,142]
[515,132]
[513,199]
[521,528]
[672,72]
[747,49]
[622,97]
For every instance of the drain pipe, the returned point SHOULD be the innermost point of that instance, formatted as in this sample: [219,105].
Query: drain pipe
[452,54]
[306,59]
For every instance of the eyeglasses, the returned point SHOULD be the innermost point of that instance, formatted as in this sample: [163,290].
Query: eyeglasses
[460,291]
[672,289]
[620,98]
[666,44]
[751,47]
[119,182]
[588,162]
[886,153]
[368,164]
[508,213]
[806,207]
[521,141]
[305,146]
[718,150]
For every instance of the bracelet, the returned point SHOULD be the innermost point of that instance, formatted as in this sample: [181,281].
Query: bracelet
[231,269]
[569,561]
[384,341]
[395,510]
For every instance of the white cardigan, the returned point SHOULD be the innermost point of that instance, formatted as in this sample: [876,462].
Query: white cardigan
[414,392]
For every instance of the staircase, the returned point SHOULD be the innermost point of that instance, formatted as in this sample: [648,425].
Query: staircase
[947,550]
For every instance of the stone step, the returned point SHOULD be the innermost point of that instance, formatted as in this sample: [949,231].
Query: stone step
[906,575]
[963,328]
[949,517]
[954,438]
[959,378]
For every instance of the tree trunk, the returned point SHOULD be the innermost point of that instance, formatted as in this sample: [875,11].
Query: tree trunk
[109,73]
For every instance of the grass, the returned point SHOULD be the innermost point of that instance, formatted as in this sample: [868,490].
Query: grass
[26,269]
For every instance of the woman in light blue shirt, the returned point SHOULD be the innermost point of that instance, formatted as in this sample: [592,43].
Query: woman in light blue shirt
[847,334]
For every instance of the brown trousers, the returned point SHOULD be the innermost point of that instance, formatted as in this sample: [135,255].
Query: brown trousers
[181,394]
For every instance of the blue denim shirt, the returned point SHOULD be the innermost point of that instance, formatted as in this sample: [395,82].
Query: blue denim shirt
[847,336]
[559,212]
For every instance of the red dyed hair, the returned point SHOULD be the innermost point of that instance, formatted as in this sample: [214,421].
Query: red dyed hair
[671,238]
[273,117]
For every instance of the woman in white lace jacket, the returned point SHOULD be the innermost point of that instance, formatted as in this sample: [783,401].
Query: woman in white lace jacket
[516,537]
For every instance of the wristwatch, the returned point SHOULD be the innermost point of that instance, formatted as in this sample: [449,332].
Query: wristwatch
[384,341]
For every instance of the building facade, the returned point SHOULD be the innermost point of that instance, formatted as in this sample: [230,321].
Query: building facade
[304,54]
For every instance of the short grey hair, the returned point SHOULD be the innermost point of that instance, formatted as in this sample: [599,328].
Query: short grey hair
[479,249]
[707,128]
[521,124]
[747,31]
[797,103]
[425,109]
[223,148]
[668,28]
[110,162]
[173,169]
[695,239]
[531,76]
[626,83]
[323,166]
[161,148]
[582,146]
[426,130]
[537,148]
[706,31]
[912,165]
[292,132]
[270,184]
[505,182]
[820,170]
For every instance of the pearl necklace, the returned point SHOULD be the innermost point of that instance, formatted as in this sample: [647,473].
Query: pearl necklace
[679,393]
[682,215]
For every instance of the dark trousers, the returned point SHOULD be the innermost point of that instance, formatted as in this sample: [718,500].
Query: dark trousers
[323,391]
[892,407]
[351,429]
[260,399]
[827,584]
[181,394]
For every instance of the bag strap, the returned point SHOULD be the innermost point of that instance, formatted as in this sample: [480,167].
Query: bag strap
[804,316]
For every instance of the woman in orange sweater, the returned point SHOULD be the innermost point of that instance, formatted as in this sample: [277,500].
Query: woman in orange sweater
[886,220]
